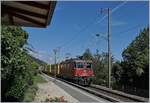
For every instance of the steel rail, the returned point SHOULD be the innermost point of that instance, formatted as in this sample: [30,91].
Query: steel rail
[104,93]
[120,94]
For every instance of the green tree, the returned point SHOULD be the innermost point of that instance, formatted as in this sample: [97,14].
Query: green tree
[17,67]
[136,61]
[100,68]
[87,55]
[116,74]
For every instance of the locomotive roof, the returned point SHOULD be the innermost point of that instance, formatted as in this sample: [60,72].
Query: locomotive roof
[83,61]
[76,60]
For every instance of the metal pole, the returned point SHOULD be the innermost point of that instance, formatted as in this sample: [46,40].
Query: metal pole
[55,62]
[109,50]
[109,46]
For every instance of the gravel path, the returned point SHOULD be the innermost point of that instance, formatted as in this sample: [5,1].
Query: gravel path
[52,90]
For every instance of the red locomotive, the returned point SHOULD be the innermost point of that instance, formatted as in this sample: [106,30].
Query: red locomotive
[79,71]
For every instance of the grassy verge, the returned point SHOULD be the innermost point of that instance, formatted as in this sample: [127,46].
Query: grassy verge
[31,91]
[38,79]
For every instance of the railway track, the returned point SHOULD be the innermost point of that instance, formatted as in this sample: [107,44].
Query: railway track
[118,94]
[109,95]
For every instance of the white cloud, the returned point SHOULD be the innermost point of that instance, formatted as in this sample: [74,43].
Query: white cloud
[118,23]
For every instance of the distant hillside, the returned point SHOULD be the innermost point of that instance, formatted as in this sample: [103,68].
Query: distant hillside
[37,60]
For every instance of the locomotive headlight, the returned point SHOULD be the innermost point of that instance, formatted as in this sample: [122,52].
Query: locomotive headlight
[76,75]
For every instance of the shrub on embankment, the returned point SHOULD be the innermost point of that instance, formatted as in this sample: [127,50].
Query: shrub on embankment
[31,91]
[17,67]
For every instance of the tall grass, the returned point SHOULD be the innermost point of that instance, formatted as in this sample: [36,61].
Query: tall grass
[31,91]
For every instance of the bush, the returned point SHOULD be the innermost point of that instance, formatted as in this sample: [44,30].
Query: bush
[18,67]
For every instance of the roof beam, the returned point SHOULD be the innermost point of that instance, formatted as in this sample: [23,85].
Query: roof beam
[27,19]
[8,8]
[35,4]
[52,5]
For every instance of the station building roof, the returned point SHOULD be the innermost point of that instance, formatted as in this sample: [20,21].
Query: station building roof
[27,13]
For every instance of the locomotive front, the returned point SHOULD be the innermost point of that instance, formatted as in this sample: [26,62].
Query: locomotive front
[83,72]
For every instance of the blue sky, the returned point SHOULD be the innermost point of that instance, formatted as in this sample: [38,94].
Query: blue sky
[75,23]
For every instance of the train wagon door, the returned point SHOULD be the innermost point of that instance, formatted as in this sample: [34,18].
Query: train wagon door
[50,68]
[58,72]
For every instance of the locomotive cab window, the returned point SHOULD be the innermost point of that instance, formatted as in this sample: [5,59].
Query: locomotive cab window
[79,65]
[89,65]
